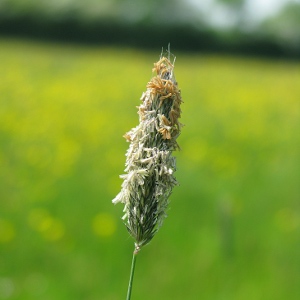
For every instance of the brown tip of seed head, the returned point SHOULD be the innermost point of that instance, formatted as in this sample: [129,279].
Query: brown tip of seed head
[162,66]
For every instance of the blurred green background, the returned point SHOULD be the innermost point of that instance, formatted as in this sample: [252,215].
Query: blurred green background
[265,28]
[233,231]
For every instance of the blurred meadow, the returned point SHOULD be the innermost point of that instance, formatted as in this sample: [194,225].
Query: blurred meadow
[233,231]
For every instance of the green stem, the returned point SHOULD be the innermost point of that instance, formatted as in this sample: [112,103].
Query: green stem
[131,275]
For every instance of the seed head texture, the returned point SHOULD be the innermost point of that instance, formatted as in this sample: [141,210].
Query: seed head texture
[150,166]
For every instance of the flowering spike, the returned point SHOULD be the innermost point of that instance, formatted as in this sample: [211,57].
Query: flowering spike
[149,162]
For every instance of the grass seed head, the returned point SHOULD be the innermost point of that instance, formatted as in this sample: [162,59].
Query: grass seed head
[150,166]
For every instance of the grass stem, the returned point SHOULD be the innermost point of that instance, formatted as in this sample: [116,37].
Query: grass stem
[131,275]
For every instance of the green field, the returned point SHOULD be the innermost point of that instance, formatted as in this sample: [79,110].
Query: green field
[233,231]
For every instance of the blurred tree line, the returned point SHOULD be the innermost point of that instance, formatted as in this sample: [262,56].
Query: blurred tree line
[155,23]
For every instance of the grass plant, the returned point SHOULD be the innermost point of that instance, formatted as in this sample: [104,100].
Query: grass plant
[150,165]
